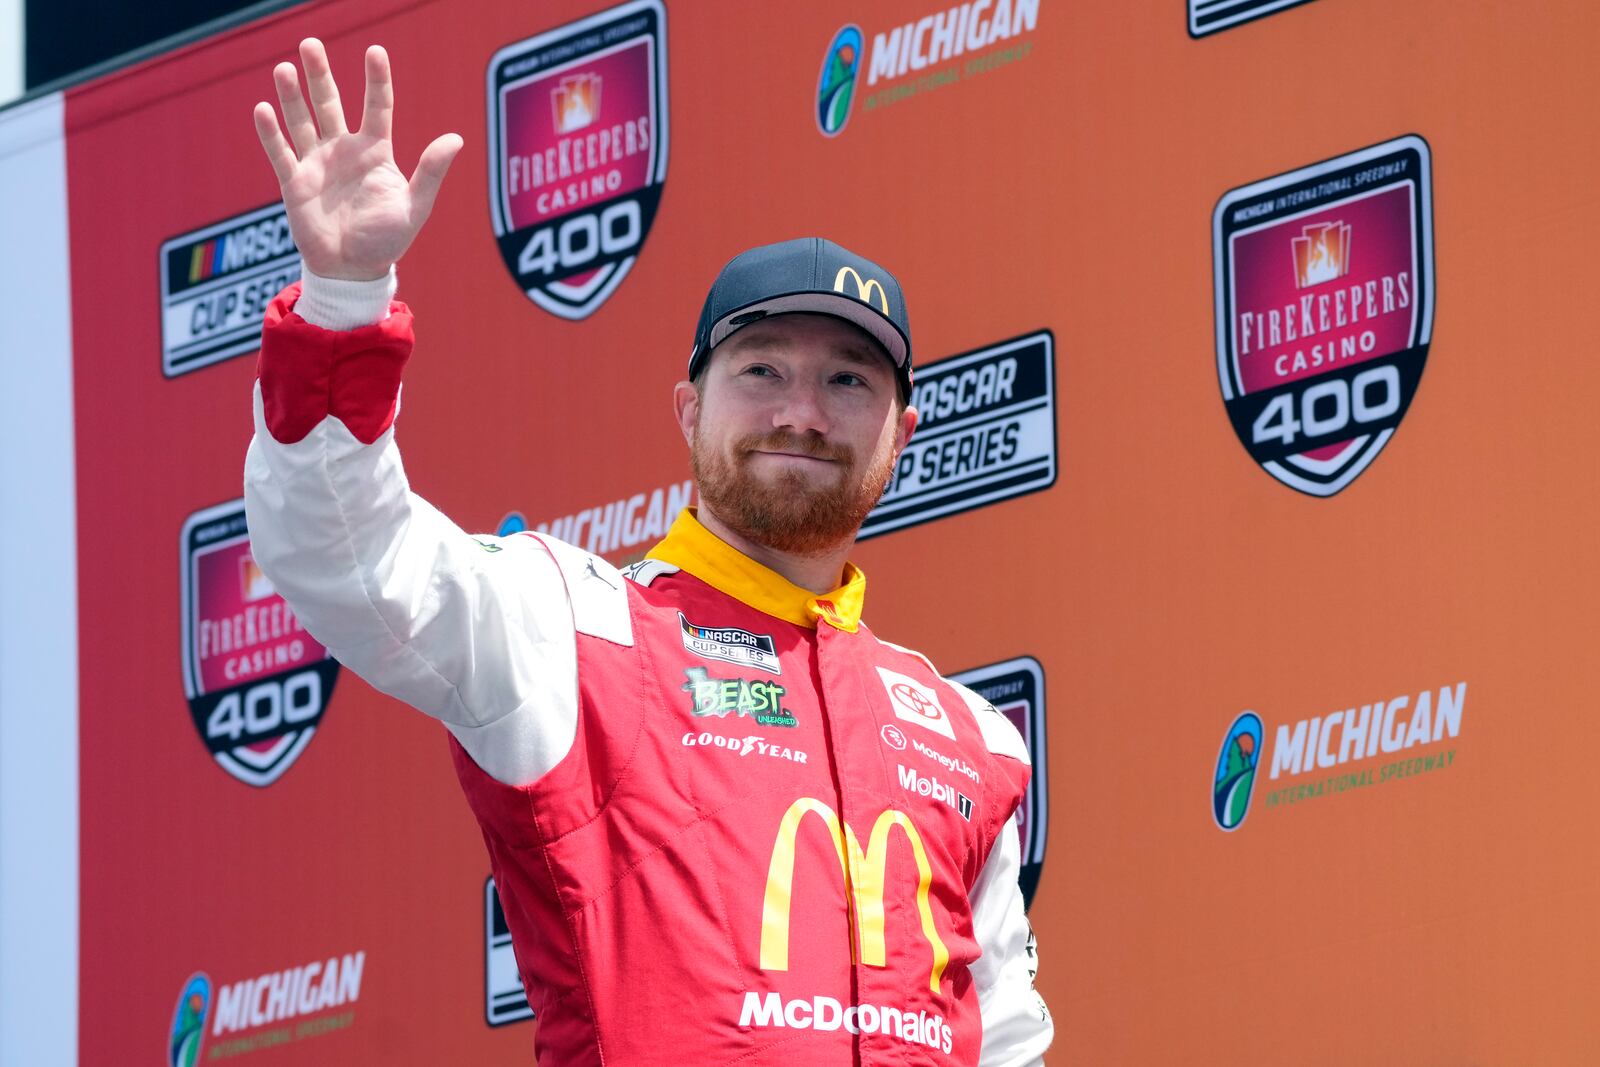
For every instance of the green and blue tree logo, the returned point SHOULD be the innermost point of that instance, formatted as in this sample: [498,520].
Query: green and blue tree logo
[837,86]
[1236,771]
[189,1021]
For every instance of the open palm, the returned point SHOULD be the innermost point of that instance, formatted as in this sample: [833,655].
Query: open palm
[351,211]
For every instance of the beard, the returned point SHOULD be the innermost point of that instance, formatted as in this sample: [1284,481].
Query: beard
[788,512]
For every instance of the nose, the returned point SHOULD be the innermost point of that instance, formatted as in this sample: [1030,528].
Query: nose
[800,408]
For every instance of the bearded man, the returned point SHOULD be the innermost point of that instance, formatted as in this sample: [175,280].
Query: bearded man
[727,823]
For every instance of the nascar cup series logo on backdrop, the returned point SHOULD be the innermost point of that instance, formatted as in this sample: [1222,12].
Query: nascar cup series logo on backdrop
[216,283]
[578,153]
[1324,306]
[257,683]
[987,433]
[1209,16]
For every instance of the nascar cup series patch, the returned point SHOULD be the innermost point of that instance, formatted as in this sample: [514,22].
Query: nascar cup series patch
[1016,689]
[257,683]
[578,153]
[1324,310]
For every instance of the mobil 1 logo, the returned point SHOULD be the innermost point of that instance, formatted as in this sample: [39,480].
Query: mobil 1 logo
[987,433]
[257,683]
[578,153]
[216,283]
[1324,310]
[1016,689]
[504,999]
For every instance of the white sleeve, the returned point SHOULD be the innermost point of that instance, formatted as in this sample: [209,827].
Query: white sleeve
[476,632]
[1017,1028]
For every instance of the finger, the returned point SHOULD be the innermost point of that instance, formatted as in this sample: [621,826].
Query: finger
[295,116]
[430,172]
[279,154]
[377,116]
[325,103]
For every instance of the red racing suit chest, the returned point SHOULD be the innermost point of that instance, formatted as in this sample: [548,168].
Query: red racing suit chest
[760,848]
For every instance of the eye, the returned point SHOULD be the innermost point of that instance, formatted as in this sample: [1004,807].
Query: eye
[849,378]
[760,370]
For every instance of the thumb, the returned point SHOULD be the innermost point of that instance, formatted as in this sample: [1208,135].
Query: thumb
[430,172]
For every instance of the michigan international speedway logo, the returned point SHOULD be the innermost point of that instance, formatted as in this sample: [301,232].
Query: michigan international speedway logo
[837,84]
[1236,771]
[578,153]
[1349,749]
[257,682]
[266,1011]
[938,49]
[216,283]
[188,1032]
[1016,689]
[1324,310]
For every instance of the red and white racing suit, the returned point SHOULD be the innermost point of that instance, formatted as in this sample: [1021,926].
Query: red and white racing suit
[727,823]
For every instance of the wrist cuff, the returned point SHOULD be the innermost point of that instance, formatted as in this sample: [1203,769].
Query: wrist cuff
[338,304]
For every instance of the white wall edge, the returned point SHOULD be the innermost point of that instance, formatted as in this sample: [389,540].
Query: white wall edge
[38,598]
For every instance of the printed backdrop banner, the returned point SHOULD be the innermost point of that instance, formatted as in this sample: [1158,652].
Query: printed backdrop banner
[1253,361]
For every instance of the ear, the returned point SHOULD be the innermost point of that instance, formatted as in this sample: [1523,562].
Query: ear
[908,426]
[686,403]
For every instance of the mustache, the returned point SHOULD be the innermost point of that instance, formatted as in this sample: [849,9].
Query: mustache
[808,444]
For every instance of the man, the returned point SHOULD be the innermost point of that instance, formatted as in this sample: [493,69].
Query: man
[727,823]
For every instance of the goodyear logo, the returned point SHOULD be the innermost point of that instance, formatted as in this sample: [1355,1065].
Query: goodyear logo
[987,433]
[216,283]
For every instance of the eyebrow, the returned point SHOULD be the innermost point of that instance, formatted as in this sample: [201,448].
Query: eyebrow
[850,351]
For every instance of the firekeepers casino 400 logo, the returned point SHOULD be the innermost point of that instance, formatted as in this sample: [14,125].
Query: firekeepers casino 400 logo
[257,683]
[1324,290]
[578,153]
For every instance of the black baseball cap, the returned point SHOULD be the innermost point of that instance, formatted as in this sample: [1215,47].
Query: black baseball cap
[806,274]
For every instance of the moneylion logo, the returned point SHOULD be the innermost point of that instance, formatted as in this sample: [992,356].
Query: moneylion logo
[864,288]
[863,876]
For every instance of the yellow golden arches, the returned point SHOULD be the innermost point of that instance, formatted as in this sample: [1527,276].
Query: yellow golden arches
[864,287]
[863,877]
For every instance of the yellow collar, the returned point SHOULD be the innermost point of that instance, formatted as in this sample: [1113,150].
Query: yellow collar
[691,547]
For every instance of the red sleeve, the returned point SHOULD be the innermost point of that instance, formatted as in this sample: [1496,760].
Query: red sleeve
[308,373]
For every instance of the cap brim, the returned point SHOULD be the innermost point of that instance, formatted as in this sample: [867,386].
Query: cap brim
[837,305]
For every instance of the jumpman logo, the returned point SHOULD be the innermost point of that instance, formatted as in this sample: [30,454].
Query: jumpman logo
[592,573]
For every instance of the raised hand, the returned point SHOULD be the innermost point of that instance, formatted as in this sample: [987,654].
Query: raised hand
[351,211]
